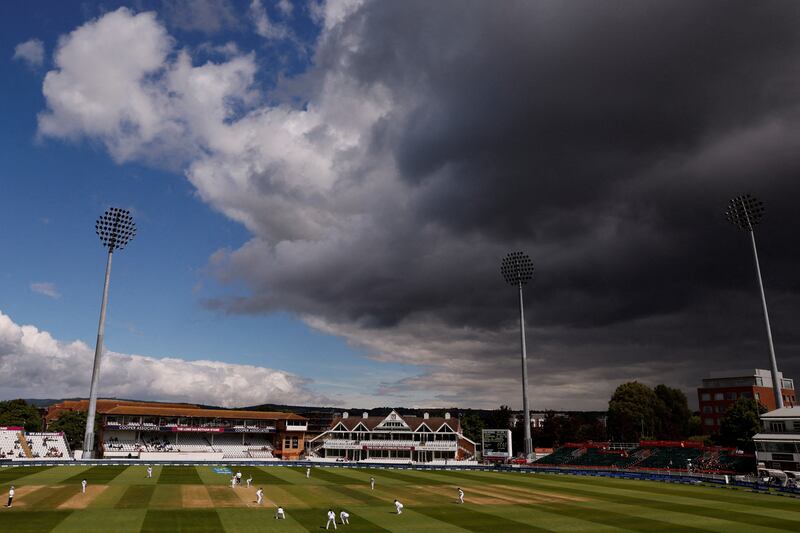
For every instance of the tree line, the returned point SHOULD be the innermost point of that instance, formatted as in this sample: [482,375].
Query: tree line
[635,412]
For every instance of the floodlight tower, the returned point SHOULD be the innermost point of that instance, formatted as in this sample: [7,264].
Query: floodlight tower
[745,212]
[517,269]
[115,228]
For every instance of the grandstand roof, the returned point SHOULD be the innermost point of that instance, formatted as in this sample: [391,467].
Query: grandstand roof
[414,422]
[783,412]
[198,412]
[104,404]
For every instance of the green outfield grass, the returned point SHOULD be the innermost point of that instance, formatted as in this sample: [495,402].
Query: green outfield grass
[120,499]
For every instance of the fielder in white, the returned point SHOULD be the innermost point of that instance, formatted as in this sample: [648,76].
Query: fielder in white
[344,516]
[331,519]
[460,495]
[83,486]
[249,481]
[308,472]
[149,471]
[372,483]
[279,514]
[259,494]
[398,506]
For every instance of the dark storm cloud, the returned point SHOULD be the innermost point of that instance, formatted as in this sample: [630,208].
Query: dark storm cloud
[605,138]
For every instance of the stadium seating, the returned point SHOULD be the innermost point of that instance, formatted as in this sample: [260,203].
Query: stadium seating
[560,456]
[670,457]
[49,446]
[661,456]
[738,464]
[9,444]
[255,446]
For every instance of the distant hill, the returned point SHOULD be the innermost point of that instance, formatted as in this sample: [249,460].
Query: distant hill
[301,409]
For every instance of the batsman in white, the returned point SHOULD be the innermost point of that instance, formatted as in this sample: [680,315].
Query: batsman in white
[259,495]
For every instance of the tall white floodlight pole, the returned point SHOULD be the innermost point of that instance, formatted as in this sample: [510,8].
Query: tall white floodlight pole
[745,212]
[517,269]
[115,228]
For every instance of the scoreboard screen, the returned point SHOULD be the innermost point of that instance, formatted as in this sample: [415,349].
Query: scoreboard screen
[497,443]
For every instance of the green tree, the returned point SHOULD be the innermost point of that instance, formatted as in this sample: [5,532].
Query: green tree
[501,418]
[739,423]
[631,412]
[20,413]
[695,425]
[73,424]
[672,414]
[472,426]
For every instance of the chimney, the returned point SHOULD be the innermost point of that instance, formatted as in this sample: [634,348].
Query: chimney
[345,414]
[364,414]
[447,416]
[425,416]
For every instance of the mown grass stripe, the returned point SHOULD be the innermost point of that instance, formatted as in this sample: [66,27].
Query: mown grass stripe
[15,472]
[315,519]
[56,496]
[721,496]
[472,520]
[356,494]
[183,521]
[325,474]
[179,475]
[102,520]
[97,475]
[597,493]
[136,497]
[408,478]
[614,518]
[266,478]
[38,522]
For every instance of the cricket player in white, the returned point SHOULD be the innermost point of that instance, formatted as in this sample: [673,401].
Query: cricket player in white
[249,481]
[344,516]
[460,495]
[308,472]
[398,506]
[279,514]
[331,519]
[149,471]
[239,478]
[372,483]
[83,486]
[233,482]
[259,495]
[10,496]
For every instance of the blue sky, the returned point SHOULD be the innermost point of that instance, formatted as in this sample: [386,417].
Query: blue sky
[54,189]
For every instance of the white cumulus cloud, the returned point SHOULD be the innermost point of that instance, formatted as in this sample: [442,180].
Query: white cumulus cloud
[34,364]
[31,52]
